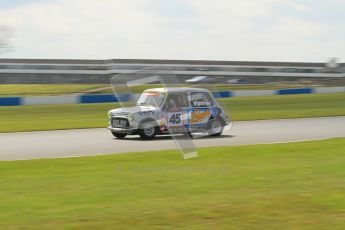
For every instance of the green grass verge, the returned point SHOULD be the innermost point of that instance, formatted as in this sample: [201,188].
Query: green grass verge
[49,117]
[281,186]
[60,89]
[44,89]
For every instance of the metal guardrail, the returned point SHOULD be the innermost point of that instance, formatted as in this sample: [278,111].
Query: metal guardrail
[108,98]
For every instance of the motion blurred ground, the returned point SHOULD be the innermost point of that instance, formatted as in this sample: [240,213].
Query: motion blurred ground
[281,186]
[50,117]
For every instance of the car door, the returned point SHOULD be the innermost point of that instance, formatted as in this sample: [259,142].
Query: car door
[176,111]
[202,109]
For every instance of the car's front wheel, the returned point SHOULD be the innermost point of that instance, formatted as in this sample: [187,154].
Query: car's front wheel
[215,127]
[148,130]
[119,135]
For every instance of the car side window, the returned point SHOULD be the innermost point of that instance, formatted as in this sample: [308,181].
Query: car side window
[176,100]
[201,99]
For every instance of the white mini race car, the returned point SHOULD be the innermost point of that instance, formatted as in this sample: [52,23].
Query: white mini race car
[162,111]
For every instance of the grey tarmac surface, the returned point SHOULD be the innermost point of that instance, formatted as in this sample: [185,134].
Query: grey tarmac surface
[86,142]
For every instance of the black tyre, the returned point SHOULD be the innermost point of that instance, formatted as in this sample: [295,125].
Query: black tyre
[148,130]
[119,135]
[215,127]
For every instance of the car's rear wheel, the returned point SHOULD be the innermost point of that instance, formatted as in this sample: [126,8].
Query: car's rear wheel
[215,127]
[148,130]
[119,135]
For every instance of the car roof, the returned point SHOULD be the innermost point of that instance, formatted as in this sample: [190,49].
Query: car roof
[176,90]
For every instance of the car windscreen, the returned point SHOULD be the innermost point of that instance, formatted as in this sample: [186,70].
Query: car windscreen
[151,98]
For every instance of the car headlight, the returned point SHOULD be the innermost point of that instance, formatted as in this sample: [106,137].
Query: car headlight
[110,114]
[130,117]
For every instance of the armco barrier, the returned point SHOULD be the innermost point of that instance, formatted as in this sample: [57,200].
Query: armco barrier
[294,91]
[10,101]
[250,93]
[104,98]
[329,89]
[50,100]
[223,94]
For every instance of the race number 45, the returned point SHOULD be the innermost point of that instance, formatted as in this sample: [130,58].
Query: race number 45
[175,119]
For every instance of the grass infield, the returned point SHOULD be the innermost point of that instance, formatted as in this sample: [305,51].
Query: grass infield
[45,89]
[280,186]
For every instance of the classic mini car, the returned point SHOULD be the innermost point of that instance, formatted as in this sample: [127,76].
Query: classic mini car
[162,111]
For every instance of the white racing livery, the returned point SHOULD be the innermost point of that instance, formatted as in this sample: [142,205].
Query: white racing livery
[162,111]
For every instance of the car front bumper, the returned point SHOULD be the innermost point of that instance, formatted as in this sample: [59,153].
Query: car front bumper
[123,130]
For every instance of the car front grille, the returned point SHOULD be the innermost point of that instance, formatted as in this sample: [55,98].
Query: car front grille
[119,122]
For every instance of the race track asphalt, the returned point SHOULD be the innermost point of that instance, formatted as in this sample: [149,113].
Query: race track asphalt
[86,142]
